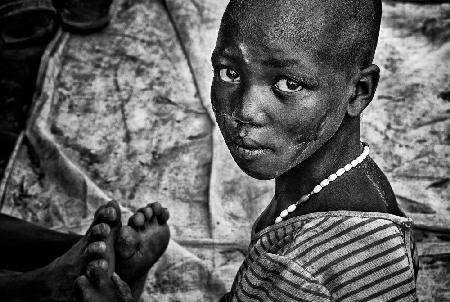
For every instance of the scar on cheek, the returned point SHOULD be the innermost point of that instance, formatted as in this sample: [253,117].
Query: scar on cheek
[224,116]
[300,140]
[298,145]
[322,124]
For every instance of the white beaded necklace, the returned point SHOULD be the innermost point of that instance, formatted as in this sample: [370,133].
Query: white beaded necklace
[325,183]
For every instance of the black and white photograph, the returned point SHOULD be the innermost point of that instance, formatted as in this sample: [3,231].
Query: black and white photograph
[224,150]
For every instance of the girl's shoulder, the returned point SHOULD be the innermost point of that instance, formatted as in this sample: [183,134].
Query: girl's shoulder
[342,253]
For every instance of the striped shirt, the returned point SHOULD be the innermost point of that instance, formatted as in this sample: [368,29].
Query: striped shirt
[329,256]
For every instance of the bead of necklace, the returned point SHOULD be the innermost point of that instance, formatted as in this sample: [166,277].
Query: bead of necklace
[324,183]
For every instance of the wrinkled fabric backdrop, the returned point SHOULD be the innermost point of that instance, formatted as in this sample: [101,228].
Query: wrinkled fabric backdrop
[125,114]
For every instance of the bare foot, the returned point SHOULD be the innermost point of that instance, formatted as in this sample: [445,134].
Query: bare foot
[100,287]
[140,244]
[55,282]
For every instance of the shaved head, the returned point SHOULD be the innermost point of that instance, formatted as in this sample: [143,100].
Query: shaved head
[290,75]
[342,33]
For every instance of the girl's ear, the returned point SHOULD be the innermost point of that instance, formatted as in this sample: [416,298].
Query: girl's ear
[364,90]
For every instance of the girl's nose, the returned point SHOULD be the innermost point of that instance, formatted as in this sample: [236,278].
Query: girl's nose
[250,108]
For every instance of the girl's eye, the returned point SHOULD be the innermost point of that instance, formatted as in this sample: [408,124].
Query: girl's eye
[229,75]
[288,85]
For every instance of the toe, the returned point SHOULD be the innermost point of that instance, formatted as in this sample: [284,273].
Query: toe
[99,209]
[157,208]
[96,266]
[101,231]
[83,287]
[148,213]
[162,219]
[82,282]
[96,249]
[122,288]
[137,220]
[109,213]
[97,271]
[127,241]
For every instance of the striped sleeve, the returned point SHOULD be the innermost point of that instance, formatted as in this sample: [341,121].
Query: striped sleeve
[272,277]
[355,258]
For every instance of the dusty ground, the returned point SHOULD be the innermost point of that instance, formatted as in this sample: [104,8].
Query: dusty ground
[129,109]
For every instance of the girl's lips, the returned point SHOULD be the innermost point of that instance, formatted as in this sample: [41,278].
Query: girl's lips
[248,152]
[248,143]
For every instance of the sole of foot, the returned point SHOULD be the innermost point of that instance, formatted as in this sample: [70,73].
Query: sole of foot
[142,242]
[55,282]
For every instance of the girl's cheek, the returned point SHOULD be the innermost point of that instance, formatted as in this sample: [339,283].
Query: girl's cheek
[306,126]
[221,101]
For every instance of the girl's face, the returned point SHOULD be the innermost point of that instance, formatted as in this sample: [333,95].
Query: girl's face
[275,101]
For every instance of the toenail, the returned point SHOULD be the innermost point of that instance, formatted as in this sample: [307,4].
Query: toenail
[101,229]
[148,212]
[97,247]
[95,267]
[111,213]
[82,281]
[100,263]
[102,212]
[139,219]
[100,245]
[157,208]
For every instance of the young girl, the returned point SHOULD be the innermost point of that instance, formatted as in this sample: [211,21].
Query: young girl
[289,87]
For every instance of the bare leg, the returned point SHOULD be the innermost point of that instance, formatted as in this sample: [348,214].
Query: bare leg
[19,237]
[140,244]
[55,282]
